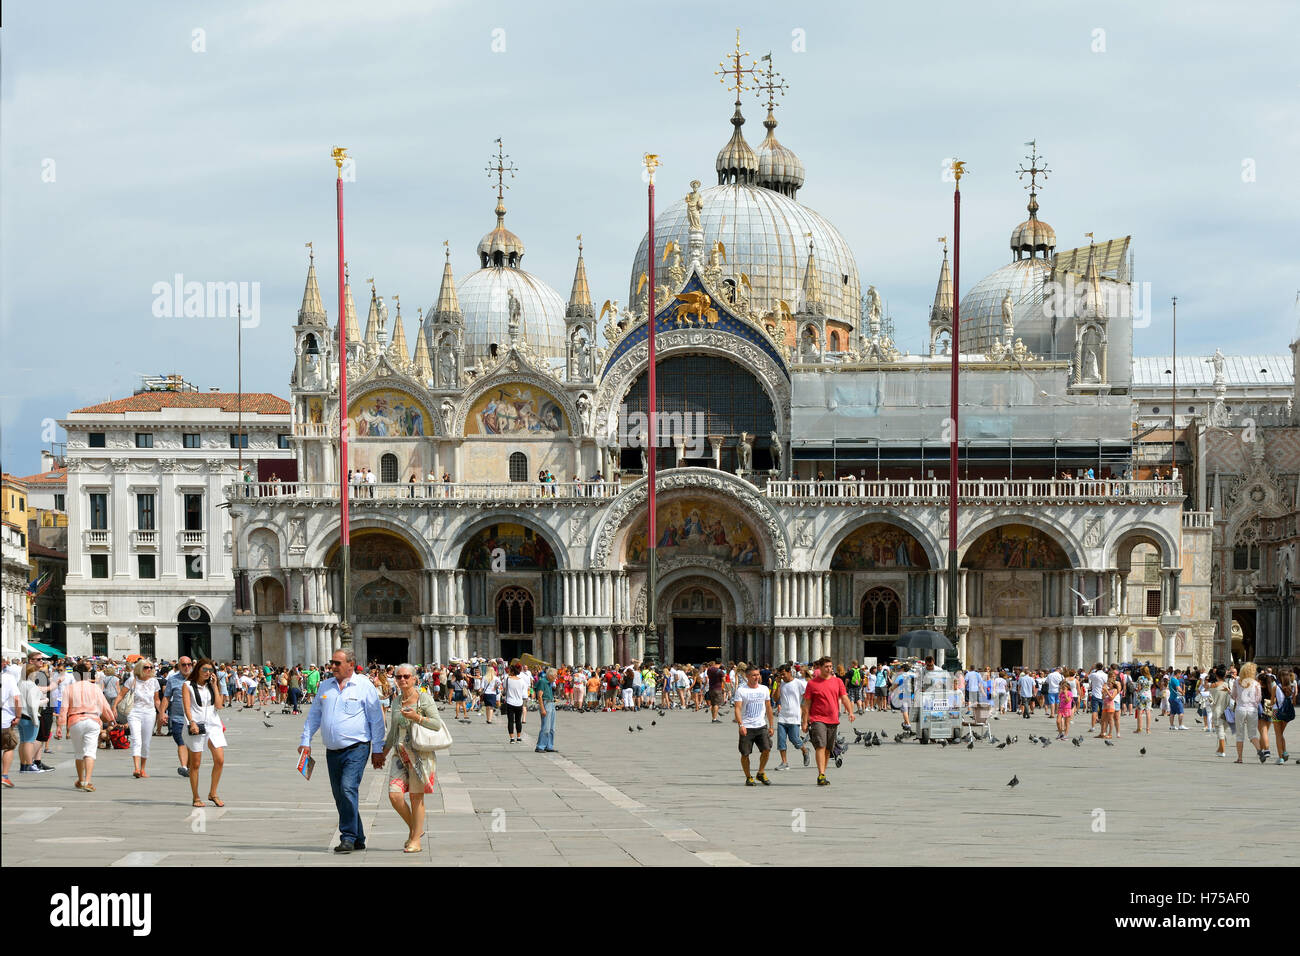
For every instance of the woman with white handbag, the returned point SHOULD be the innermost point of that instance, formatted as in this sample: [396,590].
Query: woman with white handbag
[414,734]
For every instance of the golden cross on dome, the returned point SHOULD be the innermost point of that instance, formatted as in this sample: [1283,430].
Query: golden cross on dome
[774,85]
[1034,170]
[736,70]
[500,169]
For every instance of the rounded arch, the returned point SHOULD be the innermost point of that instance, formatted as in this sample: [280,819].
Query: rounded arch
[1057,533]
[431,424]
[1119,550]
[881,612]
[405,548]
[515,609]
[185,616]
[322,551]
[463,535]
[622,374]
[268,596]
[520,375]
[680,574]
[610,535]
[846,524]
[261,549]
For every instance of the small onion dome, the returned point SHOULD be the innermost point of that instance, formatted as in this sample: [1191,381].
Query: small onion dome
[736,163]
[779,169]
[1033,236]
[500,247]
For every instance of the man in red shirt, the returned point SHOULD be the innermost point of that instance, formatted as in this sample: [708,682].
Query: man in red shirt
[821,713]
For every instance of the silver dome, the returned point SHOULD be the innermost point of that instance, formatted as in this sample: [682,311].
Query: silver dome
[981,309]
[764,233]
[485,306]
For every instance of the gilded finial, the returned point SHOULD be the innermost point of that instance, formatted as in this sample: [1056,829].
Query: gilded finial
[340,153]
[958,171]
[446,249]
[345,270]
[737,70]
[310,254]
[371,280]
[944,240]
[1088,234]
[579,243]
[652,162]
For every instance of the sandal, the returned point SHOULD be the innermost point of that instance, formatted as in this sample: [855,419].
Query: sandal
[216,801]
[88,788]
[409,848]
[136,774]
[197,802]
[78,785]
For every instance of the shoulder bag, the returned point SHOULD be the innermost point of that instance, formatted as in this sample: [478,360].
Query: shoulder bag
[424,739]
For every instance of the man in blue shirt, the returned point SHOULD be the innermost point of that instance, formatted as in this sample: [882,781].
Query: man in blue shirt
[172,691]
[351,721]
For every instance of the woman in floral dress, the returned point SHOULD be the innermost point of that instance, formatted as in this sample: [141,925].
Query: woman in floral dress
[411,772]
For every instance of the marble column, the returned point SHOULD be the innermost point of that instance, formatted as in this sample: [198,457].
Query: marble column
[1076,648]
[1125,645]
[567,657]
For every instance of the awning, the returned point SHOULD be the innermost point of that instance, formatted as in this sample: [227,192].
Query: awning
[47,650]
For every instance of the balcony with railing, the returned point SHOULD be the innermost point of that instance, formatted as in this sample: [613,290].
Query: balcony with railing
[190,540]
[423,491]
[978,491]
[328,429]
[144,540]
[1198,520]
[97,539]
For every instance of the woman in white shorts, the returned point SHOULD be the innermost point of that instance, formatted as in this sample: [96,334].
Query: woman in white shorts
[144,712]
[84,712]
[1245,701]
[203,703]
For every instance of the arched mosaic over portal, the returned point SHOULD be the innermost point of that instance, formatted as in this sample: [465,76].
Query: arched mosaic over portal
[696,527]
[525,549]
[1015,546]
[878,545]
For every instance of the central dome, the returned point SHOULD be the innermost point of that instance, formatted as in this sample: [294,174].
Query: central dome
[766,237]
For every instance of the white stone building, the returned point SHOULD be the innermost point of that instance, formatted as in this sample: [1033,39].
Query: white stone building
[150,560]
[16,575]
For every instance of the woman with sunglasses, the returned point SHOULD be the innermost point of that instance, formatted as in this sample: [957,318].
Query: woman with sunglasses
[202,700]
[144,712]
[412,771]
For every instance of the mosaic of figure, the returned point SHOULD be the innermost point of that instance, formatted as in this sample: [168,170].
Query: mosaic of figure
[1015,546]
[878,545]
[387,414]
[524,550]
[516,410]
[693,526]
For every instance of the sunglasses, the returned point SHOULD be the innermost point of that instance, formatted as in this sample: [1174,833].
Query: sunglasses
[337,663]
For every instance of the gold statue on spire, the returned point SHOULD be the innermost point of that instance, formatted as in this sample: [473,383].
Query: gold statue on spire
[310,254]
[340,154]
[958,171]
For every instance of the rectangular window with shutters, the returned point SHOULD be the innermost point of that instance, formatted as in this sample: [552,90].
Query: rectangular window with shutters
[98,511]
[145,567]
[60,503]
[99,643]
[1153,604]
[99,565]
[147,644]
[144,515]
[194,512]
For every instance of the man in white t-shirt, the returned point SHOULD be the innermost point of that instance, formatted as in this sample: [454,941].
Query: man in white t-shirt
[1096,684]
[757,724]
[1053,690]
[789,702]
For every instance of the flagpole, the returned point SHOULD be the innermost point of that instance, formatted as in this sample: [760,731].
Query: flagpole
[345,548]
[958,169]
[652,634]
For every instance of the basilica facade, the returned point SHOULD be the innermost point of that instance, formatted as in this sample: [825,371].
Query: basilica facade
[802,457]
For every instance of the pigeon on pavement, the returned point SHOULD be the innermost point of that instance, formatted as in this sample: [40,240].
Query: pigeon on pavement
[1108,743]
[267,723]
[1014,781]
[1143,751]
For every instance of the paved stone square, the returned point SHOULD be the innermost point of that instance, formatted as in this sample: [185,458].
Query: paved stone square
[673,794]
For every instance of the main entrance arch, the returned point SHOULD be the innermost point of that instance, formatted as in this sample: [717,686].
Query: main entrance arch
[385,582]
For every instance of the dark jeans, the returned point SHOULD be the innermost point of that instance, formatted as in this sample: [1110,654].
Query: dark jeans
[514,719]
[295,695]
[345,769]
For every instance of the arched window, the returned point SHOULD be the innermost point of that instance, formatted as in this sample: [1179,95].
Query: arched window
[880,613]
[518,466]
[1245,550]
[309,345]
[835,341]
[515,611]
[388,468]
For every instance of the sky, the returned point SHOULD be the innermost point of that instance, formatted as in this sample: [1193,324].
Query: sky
[140,141]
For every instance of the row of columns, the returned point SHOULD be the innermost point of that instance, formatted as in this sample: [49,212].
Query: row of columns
[801,594]
[1046,647]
